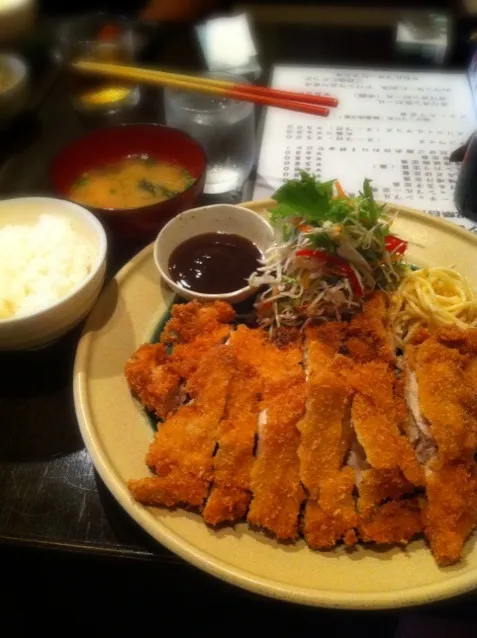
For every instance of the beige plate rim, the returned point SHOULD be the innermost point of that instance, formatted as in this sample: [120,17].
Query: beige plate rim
[460,584]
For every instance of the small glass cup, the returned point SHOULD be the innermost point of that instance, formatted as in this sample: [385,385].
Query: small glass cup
[100,38]
[224,128]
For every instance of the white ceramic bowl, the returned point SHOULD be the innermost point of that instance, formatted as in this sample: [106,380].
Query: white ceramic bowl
[14,98]
[45,326]
[209,219]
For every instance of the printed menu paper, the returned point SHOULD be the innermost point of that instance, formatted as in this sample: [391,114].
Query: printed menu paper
[397,128]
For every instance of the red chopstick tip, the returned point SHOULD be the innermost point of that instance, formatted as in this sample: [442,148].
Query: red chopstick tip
[290,96]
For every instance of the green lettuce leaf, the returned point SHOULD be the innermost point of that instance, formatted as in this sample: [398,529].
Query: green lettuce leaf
[304,197]
[311,200]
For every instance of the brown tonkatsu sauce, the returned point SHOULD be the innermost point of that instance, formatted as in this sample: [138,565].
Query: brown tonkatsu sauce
[214,263]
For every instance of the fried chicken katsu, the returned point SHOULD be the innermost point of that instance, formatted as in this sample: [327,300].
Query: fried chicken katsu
[193,329]
[325,437]
[376,421]
[394,522]
[325,426]
[379,486]
[323,433]
[389,470]
[155,376]
[369,337]
[181,454]
[389,508]
[275,481]
[153,379]
[333,516]
[451,511]
[230,495]
[192,320]
[441,394]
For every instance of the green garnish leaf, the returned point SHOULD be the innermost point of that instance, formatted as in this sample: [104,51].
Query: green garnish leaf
[369,210]
[189,179]
[322,240]
[81,180]
[167,192]
[147,186]
[313,201]
[305,197]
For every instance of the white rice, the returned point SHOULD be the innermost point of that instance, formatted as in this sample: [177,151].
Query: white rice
[40,264]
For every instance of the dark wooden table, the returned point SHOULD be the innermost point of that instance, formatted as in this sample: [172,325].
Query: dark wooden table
[57,519]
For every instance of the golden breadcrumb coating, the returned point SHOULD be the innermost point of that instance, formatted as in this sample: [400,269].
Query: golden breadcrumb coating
[333,517]
[153,379]
[376,421]
[451,512]
[230,495]
[184,444]
[369,336]
[393,523]
[447,397]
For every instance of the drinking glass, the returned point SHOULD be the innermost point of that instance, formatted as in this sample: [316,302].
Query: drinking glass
[100,38]
[224,128]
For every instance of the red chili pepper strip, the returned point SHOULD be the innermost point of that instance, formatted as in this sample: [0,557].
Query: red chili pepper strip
[355,283]
[346,269]
[310,252]
[322,256]
[395,245]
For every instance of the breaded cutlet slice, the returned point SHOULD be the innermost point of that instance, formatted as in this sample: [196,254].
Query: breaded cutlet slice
[230,494]
[153,379]
[333,516]
[395,522]
[369,336]
[446,396]
[275,482]
[194,329]
[155,376]
[181,453]
[389,508]
[330,512]
[451,512]
[376,420]
[192,319]
[275,479]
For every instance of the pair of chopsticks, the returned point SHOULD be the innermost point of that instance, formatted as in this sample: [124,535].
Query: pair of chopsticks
[292,101]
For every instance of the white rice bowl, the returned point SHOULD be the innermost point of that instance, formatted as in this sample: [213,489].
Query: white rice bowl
[52,265]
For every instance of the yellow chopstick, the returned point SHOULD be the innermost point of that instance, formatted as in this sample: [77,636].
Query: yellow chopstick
[246,93]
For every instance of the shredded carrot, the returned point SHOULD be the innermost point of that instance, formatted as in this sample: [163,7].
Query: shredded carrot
[339,190]
[301,226]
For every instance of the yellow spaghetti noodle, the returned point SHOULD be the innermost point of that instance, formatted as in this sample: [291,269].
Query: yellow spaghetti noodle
[432,298]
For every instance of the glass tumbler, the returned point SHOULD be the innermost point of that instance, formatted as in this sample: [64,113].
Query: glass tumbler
[99,38]
[224,128]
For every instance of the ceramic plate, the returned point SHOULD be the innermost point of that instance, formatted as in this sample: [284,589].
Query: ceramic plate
[117,434]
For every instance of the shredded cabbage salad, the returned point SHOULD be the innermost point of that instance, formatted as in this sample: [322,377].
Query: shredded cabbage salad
[332,251]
